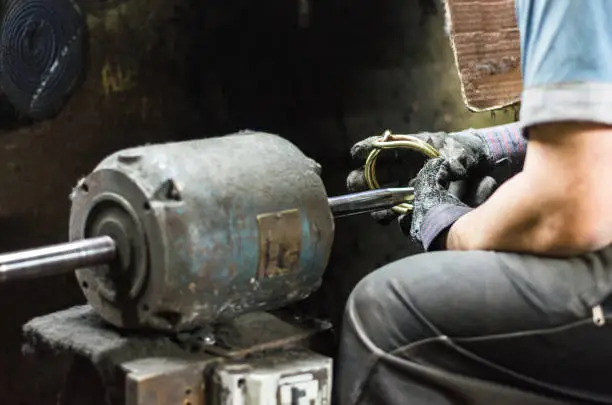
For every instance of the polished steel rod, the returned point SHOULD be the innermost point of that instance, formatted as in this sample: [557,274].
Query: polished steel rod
[56,259]
[368,201]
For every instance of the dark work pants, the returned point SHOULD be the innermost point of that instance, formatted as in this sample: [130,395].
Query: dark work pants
[480,328]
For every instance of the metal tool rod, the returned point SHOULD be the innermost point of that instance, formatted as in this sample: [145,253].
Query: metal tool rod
[368,201]
[56,259]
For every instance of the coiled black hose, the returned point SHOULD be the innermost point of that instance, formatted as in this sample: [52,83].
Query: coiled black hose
[42,54]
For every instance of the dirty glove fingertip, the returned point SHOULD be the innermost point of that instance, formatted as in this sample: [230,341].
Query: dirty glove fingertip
[361,149]
[356,182]
[457,169]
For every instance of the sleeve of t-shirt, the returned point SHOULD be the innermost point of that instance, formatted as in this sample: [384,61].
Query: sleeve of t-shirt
[566,57]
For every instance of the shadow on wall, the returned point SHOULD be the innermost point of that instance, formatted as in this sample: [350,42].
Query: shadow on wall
[324,74]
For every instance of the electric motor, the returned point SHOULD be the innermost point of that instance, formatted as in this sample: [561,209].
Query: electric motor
[205,230]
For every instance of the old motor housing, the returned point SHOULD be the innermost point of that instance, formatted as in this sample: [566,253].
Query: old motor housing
[205,230]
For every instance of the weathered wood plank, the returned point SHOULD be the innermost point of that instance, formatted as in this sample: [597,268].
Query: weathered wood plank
[486,44]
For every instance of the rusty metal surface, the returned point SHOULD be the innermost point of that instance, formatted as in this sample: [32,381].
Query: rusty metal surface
[164,381]
[280,243]
[263,361]
[206,230]
[81,331]
[79,334]
[262,331]
[282,378]
[152,369]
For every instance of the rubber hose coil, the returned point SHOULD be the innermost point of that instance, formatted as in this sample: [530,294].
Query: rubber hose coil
[42,54]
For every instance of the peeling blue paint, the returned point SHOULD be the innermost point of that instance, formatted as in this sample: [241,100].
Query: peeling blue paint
[308,251]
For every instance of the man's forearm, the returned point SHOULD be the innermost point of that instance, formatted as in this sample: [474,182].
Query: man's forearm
[558,205]
[514,219]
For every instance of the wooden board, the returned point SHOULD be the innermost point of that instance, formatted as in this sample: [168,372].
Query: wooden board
[486,43]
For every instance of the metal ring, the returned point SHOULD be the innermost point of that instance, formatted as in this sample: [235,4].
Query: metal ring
[389,141]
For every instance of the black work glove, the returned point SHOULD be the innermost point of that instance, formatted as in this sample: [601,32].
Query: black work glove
[399,167]
[435,207]
[472,155]
[463,151]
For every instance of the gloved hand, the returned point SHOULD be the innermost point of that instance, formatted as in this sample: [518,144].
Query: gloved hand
[395,167]
[435,207]
[472,155]
[463,150]
[399,167]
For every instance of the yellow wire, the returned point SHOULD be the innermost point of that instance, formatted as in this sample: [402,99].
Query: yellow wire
[389,141]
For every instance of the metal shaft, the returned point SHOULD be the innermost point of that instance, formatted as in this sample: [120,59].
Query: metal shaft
[368,201]
[66,257]
[56,259]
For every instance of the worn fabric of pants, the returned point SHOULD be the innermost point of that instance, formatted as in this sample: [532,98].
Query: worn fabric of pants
[480,328]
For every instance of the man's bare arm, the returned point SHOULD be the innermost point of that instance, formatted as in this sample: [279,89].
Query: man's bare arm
[560,204]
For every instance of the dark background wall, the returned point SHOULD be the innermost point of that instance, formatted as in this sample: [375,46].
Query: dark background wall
[164,70]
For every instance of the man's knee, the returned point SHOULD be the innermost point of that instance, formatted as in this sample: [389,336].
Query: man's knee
[364,294]
[381,308]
